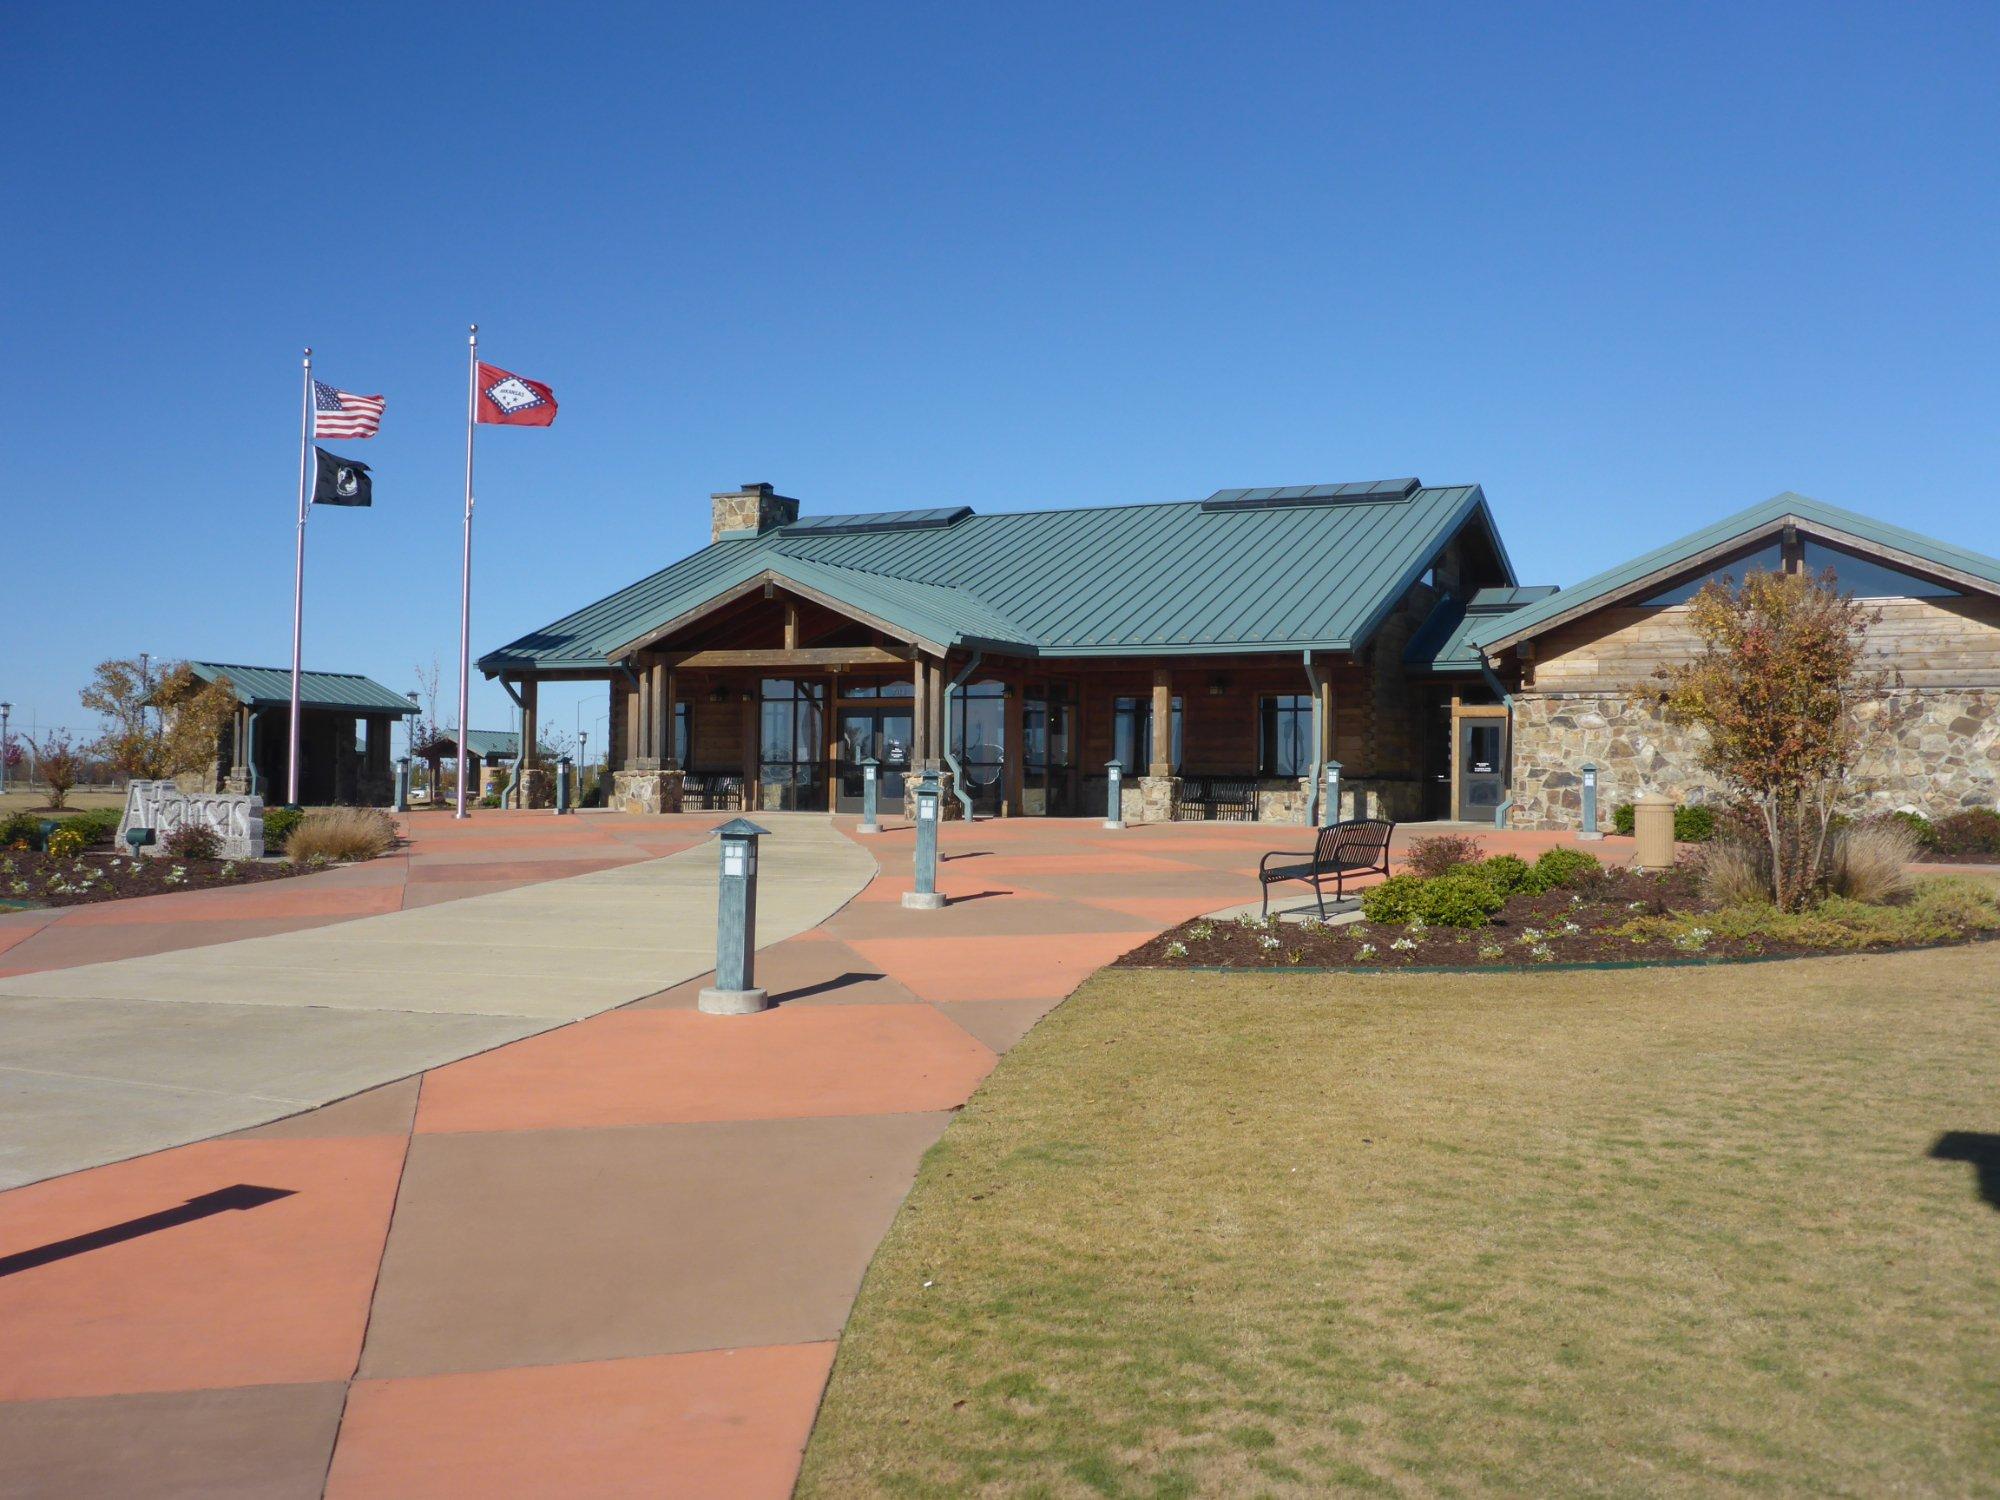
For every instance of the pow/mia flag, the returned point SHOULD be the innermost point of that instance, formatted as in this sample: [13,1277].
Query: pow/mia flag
[342,481]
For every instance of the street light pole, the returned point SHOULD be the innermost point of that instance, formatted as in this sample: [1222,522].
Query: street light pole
[6,744]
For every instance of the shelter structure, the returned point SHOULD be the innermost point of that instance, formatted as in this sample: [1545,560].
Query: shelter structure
[344,729]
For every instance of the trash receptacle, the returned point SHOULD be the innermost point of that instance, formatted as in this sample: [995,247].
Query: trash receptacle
[1653,832]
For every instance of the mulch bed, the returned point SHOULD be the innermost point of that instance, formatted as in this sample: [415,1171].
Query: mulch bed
[1574,925]
[28,879]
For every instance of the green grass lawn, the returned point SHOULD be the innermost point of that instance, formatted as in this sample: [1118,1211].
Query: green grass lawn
[1631,1233]
[14,800]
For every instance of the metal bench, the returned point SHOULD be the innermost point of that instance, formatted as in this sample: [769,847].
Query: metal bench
[1206,798]
[1359,846]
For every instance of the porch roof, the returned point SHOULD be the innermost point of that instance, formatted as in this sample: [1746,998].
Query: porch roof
[1320,571]
[1443,643]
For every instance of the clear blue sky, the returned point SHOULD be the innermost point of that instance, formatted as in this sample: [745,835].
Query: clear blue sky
[1630,267]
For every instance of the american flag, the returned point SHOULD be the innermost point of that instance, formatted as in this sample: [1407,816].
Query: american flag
[342,414]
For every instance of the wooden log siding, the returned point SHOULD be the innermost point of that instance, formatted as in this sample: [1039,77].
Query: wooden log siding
[1928,643]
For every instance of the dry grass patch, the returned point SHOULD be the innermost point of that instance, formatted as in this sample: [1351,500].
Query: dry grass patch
[1642,1233]
[332,833]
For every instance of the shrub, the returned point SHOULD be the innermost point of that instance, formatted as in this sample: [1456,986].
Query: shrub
[1394,901]
[19,828]
[1565,866]
[1871,861]
[66,843]
[328,833]
[1459,900]
[491,799]
[1952,901]
[1506,873]
[1973,831]
[98,826]
[192,841]
[1462,898]
[1442,853]
[1692,825]
[1734,873]
[278,825]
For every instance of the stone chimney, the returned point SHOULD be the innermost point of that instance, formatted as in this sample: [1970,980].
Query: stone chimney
[752,510]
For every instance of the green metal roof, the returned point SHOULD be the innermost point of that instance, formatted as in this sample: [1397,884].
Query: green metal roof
[1111,580]
[1443,643]
[262,686]
[1809,514]
[487,743]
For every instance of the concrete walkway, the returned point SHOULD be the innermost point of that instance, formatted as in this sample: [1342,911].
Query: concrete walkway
[108,1060]
[612,1259]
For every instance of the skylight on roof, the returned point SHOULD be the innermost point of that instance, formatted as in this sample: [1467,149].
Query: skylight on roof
[1359,492]
[934,519]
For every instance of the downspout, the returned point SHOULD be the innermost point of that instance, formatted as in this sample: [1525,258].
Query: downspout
[250,752]
[1319,740]
[520,742]
[957,772]
[1499,687]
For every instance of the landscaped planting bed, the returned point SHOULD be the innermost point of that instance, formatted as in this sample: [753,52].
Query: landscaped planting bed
[1504,913]
[31,879]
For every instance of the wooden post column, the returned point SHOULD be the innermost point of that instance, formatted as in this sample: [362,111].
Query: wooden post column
[660,712]
[670,755]
[1013,750]
[921,752]
[530,727]
[1163,723]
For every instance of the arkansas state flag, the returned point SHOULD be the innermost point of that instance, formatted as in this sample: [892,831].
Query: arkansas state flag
[513,400]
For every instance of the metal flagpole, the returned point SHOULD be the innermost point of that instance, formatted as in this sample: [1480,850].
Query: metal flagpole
[465,591]
[299,574]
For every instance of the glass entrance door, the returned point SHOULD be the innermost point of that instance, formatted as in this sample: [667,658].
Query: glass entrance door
[886,734]
[1048,754]
[1482,768]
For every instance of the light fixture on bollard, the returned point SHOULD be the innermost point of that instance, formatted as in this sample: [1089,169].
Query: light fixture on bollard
[927,897]
[402,783]
[563,775]
[1114,802]
[1590,829]
[871,792]
[735,992]
[1329,800]
[138,838]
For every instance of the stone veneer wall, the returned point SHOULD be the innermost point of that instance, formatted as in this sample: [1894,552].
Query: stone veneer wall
[1936,750]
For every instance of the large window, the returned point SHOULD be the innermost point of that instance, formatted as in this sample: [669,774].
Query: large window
[683,732]
[1770,559]
[1132,734]
[1284,735]
[1864,578]
[791,745]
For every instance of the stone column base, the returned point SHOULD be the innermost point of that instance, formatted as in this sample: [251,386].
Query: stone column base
[492,781]
[237,782]
[537,788]
[1159,798]
[647,791]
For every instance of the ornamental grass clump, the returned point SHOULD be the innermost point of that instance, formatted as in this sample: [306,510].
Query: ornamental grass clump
[1871,861]
[340,833]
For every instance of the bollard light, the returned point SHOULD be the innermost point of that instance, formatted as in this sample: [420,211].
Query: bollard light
[1114,802]
[1329,802]
[403,783]
[1589,829]
[930,794]
[735,992]
[871,793]
[562,785]
[138,838]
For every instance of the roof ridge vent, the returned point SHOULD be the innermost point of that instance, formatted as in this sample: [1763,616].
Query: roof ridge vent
[1357,492]
[936,518]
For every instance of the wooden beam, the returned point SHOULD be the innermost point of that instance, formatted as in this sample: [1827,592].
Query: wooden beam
[801,656]
[791,625]
[659,728]
[920,715]
[670,752]
[1163,723]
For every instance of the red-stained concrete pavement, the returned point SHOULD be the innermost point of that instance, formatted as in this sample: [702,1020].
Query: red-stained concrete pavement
[611,1259]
